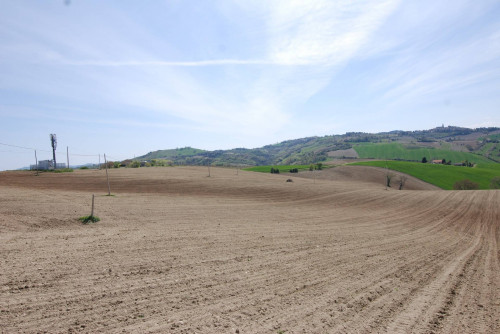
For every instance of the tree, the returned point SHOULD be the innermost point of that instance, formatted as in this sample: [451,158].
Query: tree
[424,160]
[135,164]
[495,183]
[319,166]
[465,185]
[389,177]
[443,161]
[109,164]
[402,181]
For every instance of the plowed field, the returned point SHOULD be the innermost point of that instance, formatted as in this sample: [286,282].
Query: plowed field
[179,252]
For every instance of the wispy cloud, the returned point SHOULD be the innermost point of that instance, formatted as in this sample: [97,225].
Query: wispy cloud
[305,41]
[323,32]
[139,63]
[434,64]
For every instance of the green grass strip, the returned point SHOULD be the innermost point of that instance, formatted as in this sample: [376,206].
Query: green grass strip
[443,176]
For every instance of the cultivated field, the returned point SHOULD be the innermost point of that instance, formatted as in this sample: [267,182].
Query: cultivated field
[179,252]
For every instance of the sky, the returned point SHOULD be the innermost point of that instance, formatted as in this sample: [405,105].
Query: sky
[126,77]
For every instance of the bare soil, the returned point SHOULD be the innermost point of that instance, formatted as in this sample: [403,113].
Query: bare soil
[241,252]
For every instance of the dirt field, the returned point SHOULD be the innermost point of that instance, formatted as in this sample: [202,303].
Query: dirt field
[179,252]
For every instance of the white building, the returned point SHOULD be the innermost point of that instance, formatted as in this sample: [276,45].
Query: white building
[46,165]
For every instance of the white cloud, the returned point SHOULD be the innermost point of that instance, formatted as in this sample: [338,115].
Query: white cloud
[436,66]
[323,32]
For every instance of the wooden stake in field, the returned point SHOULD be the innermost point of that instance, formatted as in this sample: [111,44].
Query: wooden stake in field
[386,175]
[92,211]
[208,170]
[107,177]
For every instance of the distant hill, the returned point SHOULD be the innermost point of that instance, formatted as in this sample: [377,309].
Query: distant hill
[450,143]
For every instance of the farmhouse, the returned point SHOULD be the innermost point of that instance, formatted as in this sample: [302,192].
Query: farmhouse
[437,161]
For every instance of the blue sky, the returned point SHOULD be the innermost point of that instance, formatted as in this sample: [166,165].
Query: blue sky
[128,77]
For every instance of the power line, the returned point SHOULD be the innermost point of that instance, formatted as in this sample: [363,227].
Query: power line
[23,152]
[27,148]
[34,149]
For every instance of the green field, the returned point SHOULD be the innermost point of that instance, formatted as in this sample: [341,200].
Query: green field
[282,168]
[395,151]
[443,176]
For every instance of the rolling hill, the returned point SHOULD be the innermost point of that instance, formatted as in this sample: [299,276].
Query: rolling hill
[481,145]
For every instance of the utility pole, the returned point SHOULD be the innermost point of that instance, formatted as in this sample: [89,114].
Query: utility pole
[36,164]
[107,177]
[67,154]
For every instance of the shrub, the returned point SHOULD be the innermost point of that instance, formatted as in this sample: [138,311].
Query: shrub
[134,164]
[63,170]
[89,219]
[424,160]
[275,170]
[84,167]
[109,164]
[495,183]
[465,185]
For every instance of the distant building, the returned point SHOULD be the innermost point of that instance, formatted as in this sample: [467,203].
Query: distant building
[437,161]
[46,165]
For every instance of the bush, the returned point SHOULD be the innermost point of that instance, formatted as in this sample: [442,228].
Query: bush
[109,164]
[89,219]
[294,170]
[134,164]
[84,167]
[495,183]
[465,185]
[424,160]
[63,170]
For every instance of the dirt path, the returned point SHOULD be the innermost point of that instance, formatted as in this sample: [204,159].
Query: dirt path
[179,252]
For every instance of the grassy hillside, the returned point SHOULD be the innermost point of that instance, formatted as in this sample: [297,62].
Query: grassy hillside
[453,143]
[443,176]
[171,154]
[396,151]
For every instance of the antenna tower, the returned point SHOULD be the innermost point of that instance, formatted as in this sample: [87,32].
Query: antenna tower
[53,142]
